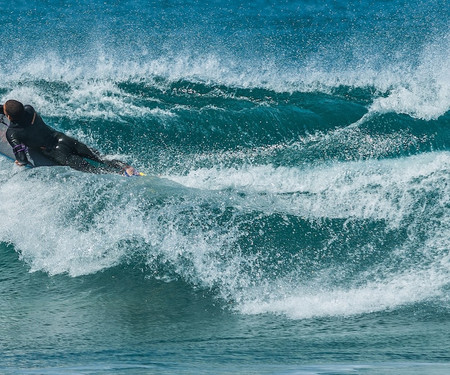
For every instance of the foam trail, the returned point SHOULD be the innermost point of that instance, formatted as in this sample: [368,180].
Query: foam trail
[368,189]
[313,302]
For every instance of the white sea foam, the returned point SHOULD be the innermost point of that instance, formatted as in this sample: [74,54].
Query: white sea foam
[79,224]
[86,99]
[424,91]
[420,89]
[380,190]
[394,191]
[299,302]
[46,238]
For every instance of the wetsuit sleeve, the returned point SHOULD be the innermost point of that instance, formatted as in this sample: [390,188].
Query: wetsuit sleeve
[1,109]
[18,147]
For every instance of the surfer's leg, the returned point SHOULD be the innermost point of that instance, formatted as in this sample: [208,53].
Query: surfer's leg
[65,153]
[93,154]
[74,147]
[78,163]
[73,152]
[86,152]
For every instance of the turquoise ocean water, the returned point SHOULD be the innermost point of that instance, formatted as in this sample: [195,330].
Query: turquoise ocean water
[295,216]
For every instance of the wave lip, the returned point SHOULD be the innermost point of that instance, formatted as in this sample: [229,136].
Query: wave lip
[419,88]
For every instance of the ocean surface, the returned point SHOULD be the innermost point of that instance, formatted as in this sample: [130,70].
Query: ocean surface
[295,216]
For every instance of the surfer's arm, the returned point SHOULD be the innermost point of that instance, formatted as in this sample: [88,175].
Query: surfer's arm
[19,149]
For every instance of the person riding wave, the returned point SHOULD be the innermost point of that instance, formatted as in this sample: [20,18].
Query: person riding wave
[28,130]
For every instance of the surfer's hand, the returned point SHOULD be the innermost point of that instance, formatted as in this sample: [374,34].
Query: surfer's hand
[19,163]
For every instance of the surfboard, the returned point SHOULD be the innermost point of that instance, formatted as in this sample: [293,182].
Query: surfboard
[34,156]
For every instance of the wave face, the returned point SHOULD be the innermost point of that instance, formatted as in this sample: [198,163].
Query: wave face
[297,153]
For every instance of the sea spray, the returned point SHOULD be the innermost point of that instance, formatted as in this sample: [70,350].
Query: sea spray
[294,216]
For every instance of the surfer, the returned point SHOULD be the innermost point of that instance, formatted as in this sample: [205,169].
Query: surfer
[27,129]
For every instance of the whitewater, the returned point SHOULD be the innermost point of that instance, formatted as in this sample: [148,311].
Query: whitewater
[295,213]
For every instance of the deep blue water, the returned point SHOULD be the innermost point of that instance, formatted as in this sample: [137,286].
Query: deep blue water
[295,216]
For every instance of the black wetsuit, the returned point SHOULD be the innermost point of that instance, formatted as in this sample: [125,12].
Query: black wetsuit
[32,132]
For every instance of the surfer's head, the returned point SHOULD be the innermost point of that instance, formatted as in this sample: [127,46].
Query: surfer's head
[14,110]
